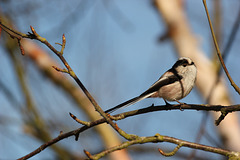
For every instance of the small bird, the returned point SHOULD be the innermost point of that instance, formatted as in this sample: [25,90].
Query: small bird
[173,85]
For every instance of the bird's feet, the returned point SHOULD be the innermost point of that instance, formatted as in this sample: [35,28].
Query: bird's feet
[181,104]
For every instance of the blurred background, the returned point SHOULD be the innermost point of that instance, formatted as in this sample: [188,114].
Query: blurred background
[117,50]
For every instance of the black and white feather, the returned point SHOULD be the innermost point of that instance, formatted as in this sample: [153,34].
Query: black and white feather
[173,85]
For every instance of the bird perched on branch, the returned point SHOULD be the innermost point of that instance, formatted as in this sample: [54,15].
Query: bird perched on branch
[173,85]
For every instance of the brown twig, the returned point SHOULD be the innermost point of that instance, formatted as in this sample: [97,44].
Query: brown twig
[64,70]
[161,138]
[88,154]
[237,89]
[21,47]
[221,118]
[170,153]
[35,35]
[130,114]
[133,139]
[225,52]
[78,120]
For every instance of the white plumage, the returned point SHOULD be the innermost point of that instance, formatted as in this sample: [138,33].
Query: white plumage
[173,85]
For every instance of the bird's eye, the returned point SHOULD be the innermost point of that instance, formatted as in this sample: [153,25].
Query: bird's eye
[184,64]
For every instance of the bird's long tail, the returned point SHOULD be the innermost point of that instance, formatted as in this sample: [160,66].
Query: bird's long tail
[128,103]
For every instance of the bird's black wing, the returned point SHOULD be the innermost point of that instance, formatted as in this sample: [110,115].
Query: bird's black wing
[161,82]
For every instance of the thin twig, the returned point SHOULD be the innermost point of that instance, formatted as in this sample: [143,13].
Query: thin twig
[60,70]
[35,35]
[78,120]
[133,139]
[161,138]
[170,153]
[221,118]
[237,89]
[225,53]
[21,47]
[130,114]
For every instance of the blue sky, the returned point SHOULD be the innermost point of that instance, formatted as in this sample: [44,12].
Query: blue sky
[112,46]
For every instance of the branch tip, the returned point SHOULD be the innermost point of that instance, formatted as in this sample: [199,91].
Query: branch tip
[77,136]
[88,154]
[63,38]
[60,70]
[33,30]
[21,47]
[72,115]
[221,118]
[237,89]
[58,44]
[63,44]
[170,153]
[79,121]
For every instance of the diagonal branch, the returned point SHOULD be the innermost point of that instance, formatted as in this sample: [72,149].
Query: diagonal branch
[237,89]
[36,36]
[130,114]
[132,139]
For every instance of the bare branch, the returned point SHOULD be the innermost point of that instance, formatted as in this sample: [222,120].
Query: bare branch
[237,89]
[60,70]
[160,138]
[79,121]
[35,35]
[170,153]
[132,139]
[130,114]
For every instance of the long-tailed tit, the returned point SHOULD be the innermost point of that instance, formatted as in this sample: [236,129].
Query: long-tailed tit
[173,85]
